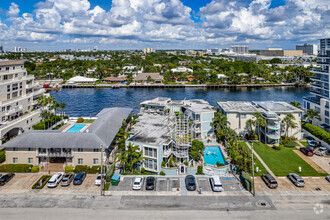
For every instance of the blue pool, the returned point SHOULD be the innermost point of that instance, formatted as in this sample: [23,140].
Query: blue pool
[213,154]
[76,128]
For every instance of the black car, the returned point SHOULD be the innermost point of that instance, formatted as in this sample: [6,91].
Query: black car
[269,180]
[5,178]
[79,178]
[150,183]
[190,183]
[307,151]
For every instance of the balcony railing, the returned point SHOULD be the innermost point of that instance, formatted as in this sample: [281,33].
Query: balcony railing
[180,154]
[272,135]
[167,153]
[14,110]
[54,154]
[312,99]
[319,70]
[316,85]
[274,126]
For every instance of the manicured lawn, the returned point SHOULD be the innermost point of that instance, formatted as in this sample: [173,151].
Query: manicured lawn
[284,161]
[304,143]
[89,121]
[262,169]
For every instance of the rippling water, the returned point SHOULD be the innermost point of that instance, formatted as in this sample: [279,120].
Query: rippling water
[88,101]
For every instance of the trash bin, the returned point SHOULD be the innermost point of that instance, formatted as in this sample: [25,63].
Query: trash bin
[115,179]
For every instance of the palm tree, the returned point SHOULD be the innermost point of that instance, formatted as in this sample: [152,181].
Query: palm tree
[220,121]
[62,105]
[249,124]
[260,121]
[288,121]
[295,104]
[131,157]
[311,114]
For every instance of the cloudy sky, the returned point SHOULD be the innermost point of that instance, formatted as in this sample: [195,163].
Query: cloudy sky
[162,24]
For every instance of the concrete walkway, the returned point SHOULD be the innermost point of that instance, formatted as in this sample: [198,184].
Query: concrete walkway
[261,161]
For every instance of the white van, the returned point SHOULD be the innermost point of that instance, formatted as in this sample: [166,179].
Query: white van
[216,184]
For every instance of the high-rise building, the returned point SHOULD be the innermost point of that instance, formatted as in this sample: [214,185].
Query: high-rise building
[18,100]
[95,48]
[148,50]
[240,49]
[320,99]
[310,49]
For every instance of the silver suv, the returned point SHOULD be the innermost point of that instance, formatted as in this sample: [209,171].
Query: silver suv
[67,179]
[296,179]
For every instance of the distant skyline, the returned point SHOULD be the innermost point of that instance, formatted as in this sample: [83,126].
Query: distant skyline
[162,24]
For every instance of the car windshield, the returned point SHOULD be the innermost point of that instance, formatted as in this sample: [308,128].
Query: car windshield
[98,178]
[218,185]
[51,181]
[301,181]
[2,178]
[191,182]
[77,177]
[136,183]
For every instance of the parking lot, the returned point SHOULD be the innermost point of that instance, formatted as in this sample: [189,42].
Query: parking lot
[23,182]
[285,185]
[173,185]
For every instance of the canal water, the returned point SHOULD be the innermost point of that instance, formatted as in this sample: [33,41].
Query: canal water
[89,101]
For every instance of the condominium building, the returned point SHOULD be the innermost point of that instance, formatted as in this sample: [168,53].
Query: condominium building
[240,49]
[76,147]
[310,49]
[18,100]
[319,95]
[279,52]
[166,127]
[239,112]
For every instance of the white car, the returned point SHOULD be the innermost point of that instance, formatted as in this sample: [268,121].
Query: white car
[98,180]
[137,184]
[55,180]
[216,184]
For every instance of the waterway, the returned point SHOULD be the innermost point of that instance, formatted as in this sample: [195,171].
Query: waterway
[89,101]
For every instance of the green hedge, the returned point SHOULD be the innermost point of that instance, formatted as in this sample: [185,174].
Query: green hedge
[246,180]
[2,156]
[45,124]
[88,169]
[68,169]
[317,132]
[16,168]
[44,180]
[35,169]
[200,170]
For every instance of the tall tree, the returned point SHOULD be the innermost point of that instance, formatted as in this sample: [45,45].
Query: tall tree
[288,122]
[295,104]
[311,114]
[260,122]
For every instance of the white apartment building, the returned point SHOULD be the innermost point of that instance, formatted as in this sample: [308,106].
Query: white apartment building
[310,49]
[319,95]
[240,49]
[239,112]
[18,99]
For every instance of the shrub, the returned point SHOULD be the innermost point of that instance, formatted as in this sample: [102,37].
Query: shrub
[16,168]
[68,169]
[170,162]
[256,137]
[278,147]
[35,169]
[110,172]
[161,173]
[186,163]
[317,131]
[219,164]
[44,179]
[106,186]
[87,169]
[163,163]
[80,120]
[2,156]
[286,140]
[143,170]
[246,180]
[291,144]
[200,170]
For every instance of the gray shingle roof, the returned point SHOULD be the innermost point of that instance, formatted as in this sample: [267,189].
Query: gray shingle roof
[102,131]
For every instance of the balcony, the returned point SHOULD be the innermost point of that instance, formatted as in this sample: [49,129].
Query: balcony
[167,153]
[271,135]
[181,154]
[313,100]
[49,153]
[274,126]
[316,85]
[316,92]
[14,110]
[319,71]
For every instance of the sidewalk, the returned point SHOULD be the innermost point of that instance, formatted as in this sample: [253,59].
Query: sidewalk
[261,161]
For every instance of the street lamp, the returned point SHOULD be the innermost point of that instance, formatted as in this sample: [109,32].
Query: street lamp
[101,169]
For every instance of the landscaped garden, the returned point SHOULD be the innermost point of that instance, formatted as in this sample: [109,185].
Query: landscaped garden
[257,163]
[284,161]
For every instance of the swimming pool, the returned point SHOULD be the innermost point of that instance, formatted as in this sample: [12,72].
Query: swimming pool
[76,128]
[213,154]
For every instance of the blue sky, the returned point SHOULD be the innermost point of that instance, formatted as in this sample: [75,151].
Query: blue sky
[162,24]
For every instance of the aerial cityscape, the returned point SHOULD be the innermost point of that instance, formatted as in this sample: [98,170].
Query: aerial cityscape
[165,109]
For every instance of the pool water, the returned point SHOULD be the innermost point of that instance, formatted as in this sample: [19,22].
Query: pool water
[76,128]
[213,154]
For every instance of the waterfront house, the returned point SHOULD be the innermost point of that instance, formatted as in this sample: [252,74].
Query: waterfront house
[111,79]
[239,112]
[81,147]
[81,80]
[149,77]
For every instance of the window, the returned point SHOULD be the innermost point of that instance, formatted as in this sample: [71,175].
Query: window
[29,149]
[326,112]
[20,85]
[3,109]
[80,161]
[326,121]
[15,86]
[30,160]
[8,88]
[150,152]
[15,160]
[150,164]
[14,149]
[96,150]
[95,161]
[80,150]
[8,96]
[7,68]
[3,118]
[243,115]
[16,74]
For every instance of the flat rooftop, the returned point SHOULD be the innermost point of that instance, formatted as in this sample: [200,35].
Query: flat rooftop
[260,106]
[198,105]
[151,129]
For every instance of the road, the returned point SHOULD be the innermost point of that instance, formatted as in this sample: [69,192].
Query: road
[34,206]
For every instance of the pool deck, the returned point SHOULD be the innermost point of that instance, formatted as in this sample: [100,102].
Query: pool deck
[222,148]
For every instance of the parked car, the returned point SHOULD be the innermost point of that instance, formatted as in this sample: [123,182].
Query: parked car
[307,151]
[98,180]
[67,179]
[55,180]
[327,178]
[321,151]
[310,139]
[150,183]
[216,184]
[269,180]
[296,179]
[137,184]
[79,178]
[5,178]
[314,144]
[190,183]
